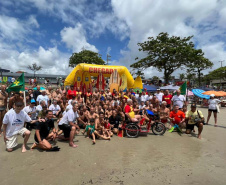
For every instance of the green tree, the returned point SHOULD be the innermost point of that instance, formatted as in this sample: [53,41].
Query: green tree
[199,64]
[165,53]
[217,74]
[140,73]
[34,67]
[182,76]
[85,56]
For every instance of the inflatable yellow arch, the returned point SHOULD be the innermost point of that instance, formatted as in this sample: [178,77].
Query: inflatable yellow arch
[95,70]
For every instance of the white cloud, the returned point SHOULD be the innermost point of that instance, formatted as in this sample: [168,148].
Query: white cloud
[182,18]
[52,60]
[75,38]
[12,28]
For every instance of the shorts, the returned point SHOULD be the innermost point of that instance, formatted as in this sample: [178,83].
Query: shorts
[12,141]
[66,129]
[191,126]
[212,110]
[2,109]
[168,105]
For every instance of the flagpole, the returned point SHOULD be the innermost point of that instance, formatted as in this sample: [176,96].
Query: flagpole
[24,91]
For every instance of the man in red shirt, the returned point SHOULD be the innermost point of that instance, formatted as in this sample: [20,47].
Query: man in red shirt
[177,117]
[129,111]
[71,92]
[167,98]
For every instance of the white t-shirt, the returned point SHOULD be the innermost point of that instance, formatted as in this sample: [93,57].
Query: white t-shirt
[69,102]
[149,97]
[29,109]
[142,106]
[178,100]
[39,108]
[54,108]
[70,116]
[143,98]
[69,107]
[212,103]
[43,98]
[159,96]
[137,96]
[15,121]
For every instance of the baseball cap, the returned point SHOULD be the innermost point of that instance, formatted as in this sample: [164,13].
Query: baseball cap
[32,101]
[158,89]
[193,105]
[212,95]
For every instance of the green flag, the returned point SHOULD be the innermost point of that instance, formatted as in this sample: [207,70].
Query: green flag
[18,85]
[183,88]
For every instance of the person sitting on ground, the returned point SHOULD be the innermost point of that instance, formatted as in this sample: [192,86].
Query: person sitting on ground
[13,124]
[194,118]
[164,113]
[177,117]
[42,133]
[42,113]
[69,126]
[31,111]
[114,120]
[90,129]
[55,108]
[100,131]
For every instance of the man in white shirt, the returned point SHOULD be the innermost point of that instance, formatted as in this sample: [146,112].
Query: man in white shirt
[143,97]
[13,124]
[179,100]
[31,111]
[159,96]
[69,125]
[39,107]
[55,108]
[43,97]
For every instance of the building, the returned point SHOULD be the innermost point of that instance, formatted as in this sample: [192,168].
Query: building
[40,78]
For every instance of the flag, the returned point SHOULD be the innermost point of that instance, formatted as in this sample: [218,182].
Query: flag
[18,85]
[183,88]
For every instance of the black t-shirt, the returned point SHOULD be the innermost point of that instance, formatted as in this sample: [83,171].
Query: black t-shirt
[115,120]
[36,93]
[44,128]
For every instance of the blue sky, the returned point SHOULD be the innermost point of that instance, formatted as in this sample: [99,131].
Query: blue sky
[49,31]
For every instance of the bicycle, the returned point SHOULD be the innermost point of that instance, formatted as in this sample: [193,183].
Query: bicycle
[133,130]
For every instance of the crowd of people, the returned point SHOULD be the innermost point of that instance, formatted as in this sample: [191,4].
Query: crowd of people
[60,114]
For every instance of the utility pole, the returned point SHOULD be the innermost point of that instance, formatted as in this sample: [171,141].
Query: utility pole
[221,73]
[108,58]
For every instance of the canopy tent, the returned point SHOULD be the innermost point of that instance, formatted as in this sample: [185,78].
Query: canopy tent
[150,87]
[198,92]
[206,88]
[170,87]
[216,93]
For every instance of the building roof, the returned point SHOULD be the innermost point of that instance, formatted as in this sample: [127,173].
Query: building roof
[30,75]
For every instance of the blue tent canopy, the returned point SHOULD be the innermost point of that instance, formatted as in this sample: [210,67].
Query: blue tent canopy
[198,92]
[206,88]
[150,87]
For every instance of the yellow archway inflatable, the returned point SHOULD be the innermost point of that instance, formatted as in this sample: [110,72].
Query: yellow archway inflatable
[95,70]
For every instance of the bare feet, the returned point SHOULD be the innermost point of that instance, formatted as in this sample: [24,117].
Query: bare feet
[73,145]
[94,142]
[199,136]
[33,146]
[24,149]
[215,125]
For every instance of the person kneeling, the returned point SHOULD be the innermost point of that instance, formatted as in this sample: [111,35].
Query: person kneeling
[194,118]
[43,134]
